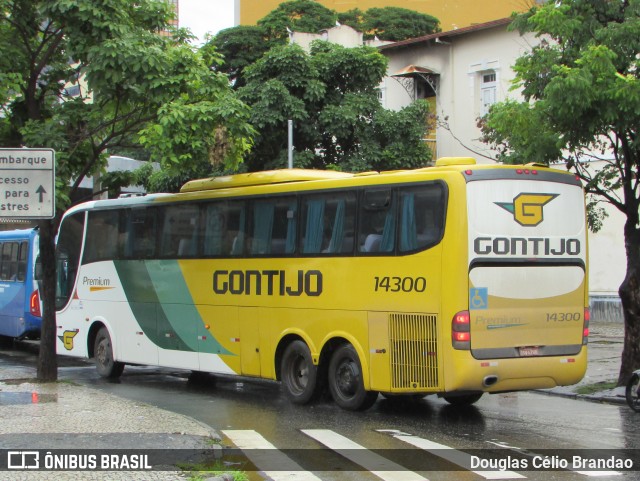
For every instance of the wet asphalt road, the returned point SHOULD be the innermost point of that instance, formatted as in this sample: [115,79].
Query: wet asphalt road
[518,422]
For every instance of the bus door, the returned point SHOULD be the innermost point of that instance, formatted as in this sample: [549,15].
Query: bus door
[527,263]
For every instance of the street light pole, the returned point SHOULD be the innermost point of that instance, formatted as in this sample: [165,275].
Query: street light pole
[290,157]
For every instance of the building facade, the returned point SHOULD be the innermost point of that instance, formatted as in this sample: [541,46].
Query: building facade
[451,13]
[462,72]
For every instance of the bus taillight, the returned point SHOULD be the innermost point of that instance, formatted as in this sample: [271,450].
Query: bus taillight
[460,331]
[585,328]
[34,304]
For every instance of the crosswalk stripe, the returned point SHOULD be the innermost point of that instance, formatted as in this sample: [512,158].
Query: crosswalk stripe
[376,464]
[256,447]
[452,455]
[599,474]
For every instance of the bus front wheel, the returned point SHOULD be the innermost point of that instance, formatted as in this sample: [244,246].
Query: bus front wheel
[103,355]
[345,380]
[298,373]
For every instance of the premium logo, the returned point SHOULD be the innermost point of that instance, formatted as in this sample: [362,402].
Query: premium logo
[527,208]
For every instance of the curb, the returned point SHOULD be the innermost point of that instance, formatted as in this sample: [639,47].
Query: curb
[602,399]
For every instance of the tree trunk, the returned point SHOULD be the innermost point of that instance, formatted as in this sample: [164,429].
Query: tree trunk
[47,360]
[630,295]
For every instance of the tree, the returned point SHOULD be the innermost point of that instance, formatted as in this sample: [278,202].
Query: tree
[240,47]
[298,16]
[331,95]
[581,88]
[391,23]
[140,85]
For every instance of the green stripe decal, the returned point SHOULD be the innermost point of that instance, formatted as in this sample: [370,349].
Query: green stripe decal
[163,306]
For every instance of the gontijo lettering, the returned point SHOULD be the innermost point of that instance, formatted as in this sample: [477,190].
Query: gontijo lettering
[269,282]
[524,246]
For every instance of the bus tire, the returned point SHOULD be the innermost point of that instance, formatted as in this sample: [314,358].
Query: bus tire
[464,400]
[345,380]
[298,373]
[103,356]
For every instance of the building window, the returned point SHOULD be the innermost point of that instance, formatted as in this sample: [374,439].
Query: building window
[73,91]
[488,89]
[382,96]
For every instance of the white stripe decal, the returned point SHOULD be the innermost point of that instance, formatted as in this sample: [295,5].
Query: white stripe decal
[452,455]
[376,464]
[255,446]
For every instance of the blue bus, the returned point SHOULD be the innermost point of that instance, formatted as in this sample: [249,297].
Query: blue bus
[20,306]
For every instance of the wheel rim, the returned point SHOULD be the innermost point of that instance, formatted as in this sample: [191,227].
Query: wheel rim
[347,378]
[299,374]
[102,353]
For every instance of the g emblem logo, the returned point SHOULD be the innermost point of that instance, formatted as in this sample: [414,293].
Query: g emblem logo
[527,208]
[67,339]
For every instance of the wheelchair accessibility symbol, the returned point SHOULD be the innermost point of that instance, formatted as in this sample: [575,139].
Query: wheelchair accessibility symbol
[478,298]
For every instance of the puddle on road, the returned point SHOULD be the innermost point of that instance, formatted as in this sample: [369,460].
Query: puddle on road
[13,398]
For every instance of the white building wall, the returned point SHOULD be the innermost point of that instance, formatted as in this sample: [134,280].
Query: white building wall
[460,64]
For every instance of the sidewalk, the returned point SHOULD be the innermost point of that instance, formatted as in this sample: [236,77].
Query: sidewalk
[606,340]
[64,415]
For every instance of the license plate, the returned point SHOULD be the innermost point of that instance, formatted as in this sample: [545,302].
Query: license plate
[529,351]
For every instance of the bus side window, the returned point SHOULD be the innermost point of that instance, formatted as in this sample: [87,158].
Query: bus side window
[102,236]
[215,227]
[263,213]
[421,216]
[274,226]
[225,228]
[5,269]
[235,234]
[23,255]
[10,269]
[377,228]
[142,233]
[328,222]
[180,231]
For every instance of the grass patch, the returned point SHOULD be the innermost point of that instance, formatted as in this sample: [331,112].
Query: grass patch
[202,471]
[596,387]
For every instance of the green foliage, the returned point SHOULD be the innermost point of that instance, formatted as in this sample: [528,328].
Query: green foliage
[520,135]
[355,18]
[581,88]
[299,16]
[240,47]
[331,96]
[395,23]
[137,88]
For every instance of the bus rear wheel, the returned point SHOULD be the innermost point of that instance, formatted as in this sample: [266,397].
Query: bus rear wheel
[345,380]
[103,355]
[298,373]
[464,400]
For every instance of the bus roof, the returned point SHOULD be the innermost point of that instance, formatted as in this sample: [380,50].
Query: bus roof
[16,234]
[262,178]
[306,178]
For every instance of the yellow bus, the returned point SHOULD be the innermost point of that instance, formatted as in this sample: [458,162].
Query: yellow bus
[454,280]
